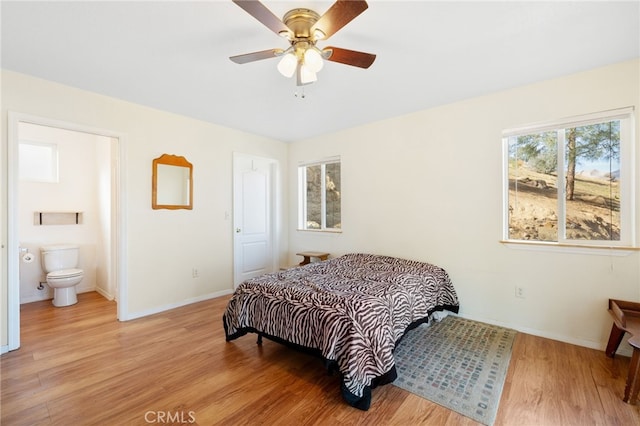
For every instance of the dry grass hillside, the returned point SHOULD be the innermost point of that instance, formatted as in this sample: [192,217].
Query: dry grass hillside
[593,214]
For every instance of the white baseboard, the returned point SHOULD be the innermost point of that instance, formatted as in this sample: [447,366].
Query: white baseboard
[104,293]
[34,298]
[48,295]
[180,304]
[623,351]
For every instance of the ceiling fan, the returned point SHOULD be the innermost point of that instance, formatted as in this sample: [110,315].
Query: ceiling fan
[303,28]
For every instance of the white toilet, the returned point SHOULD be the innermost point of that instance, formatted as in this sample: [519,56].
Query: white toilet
[59,261]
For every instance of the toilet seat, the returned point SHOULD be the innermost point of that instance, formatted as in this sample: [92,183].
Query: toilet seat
[65,273]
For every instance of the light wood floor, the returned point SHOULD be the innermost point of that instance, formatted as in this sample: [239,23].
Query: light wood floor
[79,366]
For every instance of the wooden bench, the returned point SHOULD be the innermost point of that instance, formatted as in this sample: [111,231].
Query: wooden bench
[307,255]
[626,318]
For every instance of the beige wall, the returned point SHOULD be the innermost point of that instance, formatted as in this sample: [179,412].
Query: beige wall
[162,246]
[428,186]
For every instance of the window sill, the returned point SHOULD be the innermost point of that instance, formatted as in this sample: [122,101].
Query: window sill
[321,231]
[570,248]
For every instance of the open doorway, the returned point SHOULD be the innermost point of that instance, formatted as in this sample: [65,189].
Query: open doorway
[102,215]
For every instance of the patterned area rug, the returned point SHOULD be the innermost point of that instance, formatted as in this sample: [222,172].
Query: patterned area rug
[457,363]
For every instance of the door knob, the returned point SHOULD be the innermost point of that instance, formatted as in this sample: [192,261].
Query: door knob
[238,230]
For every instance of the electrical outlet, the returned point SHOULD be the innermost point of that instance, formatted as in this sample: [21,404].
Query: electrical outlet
[195,273]
[520,293]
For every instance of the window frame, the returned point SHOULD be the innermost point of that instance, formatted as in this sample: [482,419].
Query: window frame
[302,194]
[627,180]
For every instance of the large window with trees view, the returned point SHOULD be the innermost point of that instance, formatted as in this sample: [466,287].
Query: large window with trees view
[320,205]
[571,181]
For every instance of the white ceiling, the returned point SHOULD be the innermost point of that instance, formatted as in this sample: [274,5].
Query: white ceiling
[174,55]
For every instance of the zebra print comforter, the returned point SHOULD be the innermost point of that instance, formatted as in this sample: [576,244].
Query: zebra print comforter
[352,310]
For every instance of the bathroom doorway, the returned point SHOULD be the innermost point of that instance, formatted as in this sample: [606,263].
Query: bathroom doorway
[101,232]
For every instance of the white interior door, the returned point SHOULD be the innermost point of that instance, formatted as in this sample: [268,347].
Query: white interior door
[253,205]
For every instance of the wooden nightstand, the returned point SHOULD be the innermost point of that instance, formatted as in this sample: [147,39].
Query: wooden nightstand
[309,254]
[626,319]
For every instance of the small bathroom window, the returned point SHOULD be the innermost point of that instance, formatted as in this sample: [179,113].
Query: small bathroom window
[38,162]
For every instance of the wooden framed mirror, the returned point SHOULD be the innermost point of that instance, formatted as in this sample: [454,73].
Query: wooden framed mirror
[172,186]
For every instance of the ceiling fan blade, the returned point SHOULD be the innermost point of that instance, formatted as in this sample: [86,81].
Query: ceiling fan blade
[256,56]
[264,15]
[350,57]
[339,14]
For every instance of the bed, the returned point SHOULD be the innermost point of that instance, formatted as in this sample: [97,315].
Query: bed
[351,311]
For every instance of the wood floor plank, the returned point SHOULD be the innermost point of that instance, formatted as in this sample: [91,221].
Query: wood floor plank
[79,365]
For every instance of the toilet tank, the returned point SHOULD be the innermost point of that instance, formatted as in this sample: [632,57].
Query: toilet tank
[56,257]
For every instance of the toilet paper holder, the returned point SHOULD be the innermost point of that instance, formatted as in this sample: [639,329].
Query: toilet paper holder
[26,256]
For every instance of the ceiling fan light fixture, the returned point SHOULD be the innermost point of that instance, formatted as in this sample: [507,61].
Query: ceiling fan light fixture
[307,76]
[304,27]
[288,64]
[318,34]
[313,59]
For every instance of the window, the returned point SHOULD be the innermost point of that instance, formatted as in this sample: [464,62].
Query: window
[38,162]
[320,195]
[570,182]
